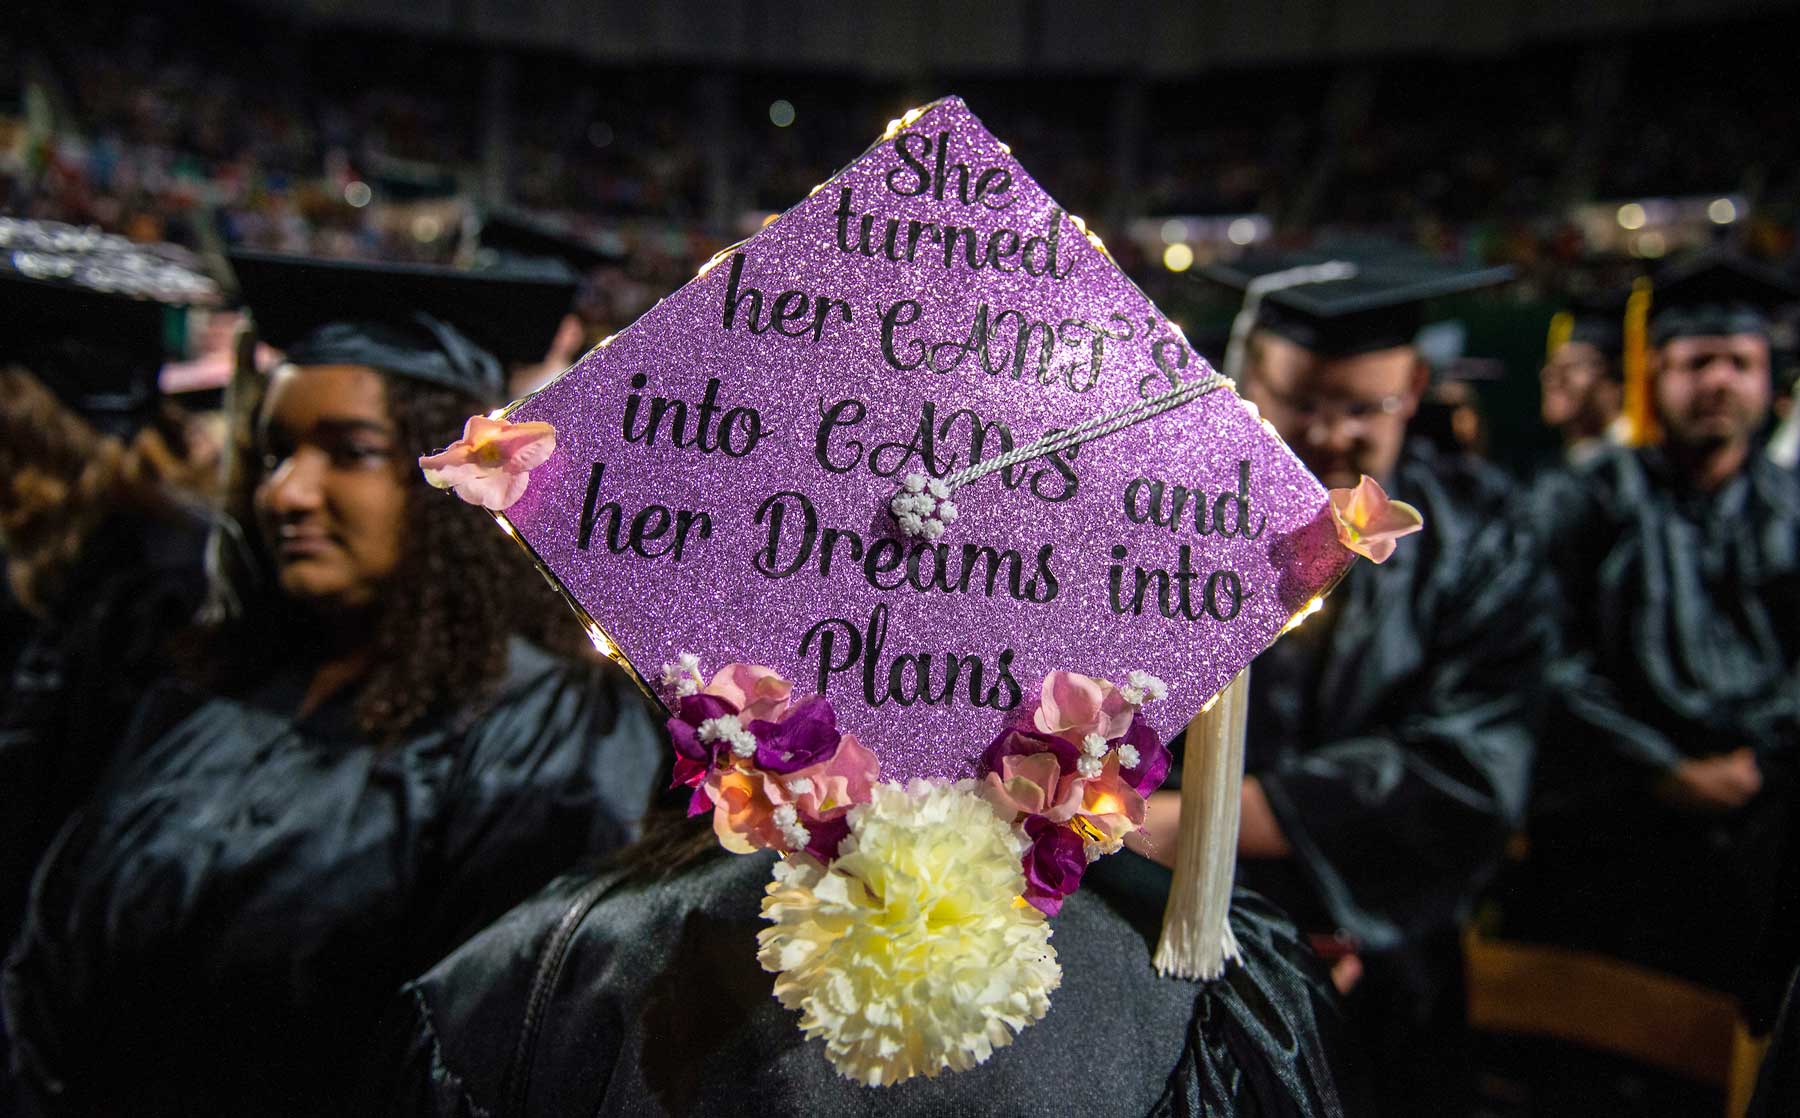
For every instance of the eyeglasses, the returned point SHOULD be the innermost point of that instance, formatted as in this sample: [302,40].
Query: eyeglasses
[1315,411]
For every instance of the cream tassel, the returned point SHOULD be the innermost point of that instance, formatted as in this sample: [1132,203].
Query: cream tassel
[1196,936]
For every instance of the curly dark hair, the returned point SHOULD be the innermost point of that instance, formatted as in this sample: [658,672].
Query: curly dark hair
[461,590]
[61,480]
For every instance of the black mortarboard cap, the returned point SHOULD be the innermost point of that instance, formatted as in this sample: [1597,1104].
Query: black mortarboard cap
[88,313]
[513,236]
[1599,320]
[446,326]
[1715,294]
[1381,306]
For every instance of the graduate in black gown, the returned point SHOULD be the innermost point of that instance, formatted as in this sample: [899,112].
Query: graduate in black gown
[101,537]
[636,990]
[1389,739]
[367,759]
[1582,383]
[1663,831]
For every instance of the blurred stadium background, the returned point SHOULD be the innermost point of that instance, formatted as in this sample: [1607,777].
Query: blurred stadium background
[1575,141]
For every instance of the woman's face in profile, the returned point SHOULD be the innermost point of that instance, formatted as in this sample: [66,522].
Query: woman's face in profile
[330,505]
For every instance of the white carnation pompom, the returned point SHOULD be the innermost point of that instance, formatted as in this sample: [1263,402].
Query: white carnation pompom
[910,953]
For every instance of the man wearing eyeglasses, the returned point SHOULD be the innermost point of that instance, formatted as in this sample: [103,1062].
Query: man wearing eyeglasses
[1388,747]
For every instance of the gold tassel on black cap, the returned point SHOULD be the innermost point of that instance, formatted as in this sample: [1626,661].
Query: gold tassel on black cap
[1640,413]
[1562,328]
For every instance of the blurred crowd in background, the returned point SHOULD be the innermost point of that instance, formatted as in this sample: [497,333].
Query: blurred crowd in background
[159,124]
[176,138]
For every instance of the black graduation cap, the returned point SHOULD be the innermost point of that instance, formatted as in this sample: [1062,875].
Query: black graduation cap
[513,236]
[1714,294]
[1599,320]
[451,327]
[1379,307]
[91,314]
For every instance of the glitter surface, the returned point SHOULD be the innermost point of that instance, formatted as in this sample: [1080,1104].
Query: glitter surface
[923,674]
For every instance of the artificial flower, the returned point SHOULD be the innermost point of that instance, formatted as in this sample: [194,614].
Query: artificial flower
[691,713]
[744,803]
[489,466]
[683,676]
[1103,809]
[1053,865]
[1072,706]
[1369,523]
[756,692]
[1026,784]
[803,735]
[1143,758]
[909,952]
[830,787]
[1023,741]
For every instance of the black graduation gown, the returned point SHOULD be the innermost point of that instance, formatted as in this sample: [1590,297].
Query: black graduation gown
[1682,615]
[139,582]
[606,996]
[1392,731]
[217,930]
[1392,734]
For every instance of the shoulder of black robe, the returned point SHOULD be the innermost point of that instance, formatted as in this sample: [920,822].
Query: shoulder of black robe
[1399,810]
[250,885]
[136,585]
[604,996]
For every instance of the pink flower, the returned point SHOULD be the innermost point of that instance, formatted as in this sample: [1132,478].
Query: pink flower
[832,787]
[1073,706]
[1104,809]
[1368,522]
[747,801]
[759,693]
[744,803]
[489,465]
[1025,785]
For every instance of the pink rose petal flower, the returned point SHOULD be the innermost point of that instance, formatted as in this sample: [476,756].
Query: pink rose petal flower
[759,693]
[490,464]
[745,799]
[1368,522]
[1104,808]
[1073,706]
[744,803]
[1025,785]
[832,787]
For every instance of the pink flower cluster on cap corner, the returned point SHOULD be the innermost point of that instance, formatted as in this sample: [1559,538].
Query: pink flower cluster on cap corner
[1073,774]
[774,770]
[1369,522]
[492,462]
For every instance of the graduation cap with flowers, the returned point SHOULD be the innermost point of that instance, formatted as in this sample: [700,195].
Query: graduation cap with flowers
[929,530]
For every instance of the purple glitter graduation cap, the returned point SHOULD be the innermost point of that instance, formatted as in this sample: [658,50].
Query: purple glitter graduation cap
[725,466]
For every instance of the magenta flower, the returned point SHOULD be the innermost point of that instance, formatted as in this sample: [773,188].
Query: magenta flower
[1053,864]
[692,713]
[1153,763]
[805,735]
[490,464]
